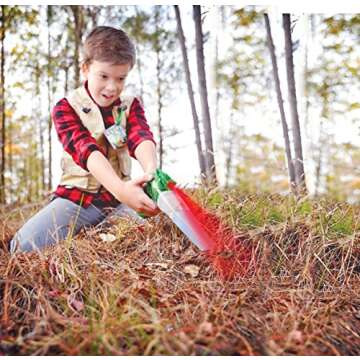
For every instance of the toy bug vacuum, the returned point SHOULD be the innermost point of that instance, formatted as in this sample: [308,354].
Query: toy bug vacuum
[205,230]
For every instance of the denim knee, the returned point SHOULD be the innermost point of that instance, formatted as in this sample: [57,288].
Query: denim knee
[23,241]
[18,244]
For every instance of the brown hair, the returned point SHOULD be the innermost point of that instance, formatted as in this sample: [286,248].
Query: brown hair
[107,44]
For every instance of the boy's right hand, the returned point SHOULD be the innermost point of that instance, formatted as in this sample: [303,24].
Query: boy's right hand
[133,195]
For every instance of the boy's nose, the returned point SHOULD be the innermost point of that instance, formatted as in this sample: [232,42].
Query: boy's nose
[111,86]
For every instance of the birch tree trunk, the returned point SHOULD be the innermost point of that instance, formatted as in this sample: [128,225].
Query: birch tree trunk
[298,158]
[190,91]
[280,101]
[209,149]
[2,106]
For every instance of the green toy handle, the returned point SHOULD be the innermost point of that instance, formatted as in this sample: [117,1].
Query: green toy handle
[157,185]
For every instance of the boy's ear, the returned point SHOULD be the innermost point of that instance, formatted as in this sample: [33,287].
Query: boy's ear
[84,69]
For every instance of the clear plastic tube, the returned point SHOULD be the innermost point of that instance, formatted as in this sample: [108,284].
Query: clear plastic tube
[172,207]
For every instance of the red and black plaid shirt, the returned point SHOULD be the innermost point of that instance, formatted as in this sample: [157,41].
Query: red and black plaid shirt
[78,142]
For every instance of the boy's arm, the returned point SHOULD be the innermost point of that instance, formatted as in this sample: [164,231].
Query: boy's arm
[145,153]
[127,192]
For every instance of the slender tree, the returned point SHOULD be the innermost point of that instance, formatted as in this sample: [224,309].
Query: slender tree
[92,13]
[78,30]
[49,90]
[2,104]
[157,48]
[298,156]
[280,101]
[140,19]
[37,111]
[190,91]
[209,149]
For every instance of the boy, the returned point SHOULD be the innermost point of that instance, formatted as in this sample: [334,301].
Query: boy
[98,130]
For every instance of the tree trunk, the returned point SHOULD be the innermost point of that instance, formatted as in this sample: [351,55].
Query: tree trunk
[66,82]
[190,91]
[209,149]
[138,63]
[40,129]
[9,160]
[93,13]
[304,75]
[298,158]
[78,22]
[280,101]
[2,106]
[159,98]
[66,67]
[49,66]
[159,94]
[29,174]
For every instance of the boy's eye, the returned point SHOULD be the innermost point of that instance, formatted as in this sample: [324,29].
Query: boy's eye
[103,76]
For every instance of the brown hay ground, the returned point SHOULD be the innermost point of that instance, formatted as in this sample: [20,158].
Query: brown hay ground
[151,292]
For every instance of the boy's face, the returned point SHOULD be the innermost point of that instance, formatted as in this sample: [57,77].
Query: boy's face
[105,81]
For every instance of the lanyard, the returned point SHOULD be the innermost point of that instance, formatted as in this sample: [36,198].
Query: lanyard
[120,114]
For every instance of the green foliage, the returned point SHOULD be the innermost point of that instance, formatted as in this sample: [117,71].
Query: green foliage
[215,199]
[304,208]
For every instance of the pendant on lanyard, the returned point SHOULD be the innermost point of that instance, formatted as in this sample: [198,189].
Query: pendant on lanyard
[116,134]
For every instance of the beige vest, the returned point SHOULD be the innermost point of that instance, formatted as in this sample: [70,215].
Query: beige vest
[75,176]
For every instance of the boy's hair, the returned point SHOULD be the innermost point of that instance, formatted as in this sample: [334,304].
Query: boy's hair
[107,44]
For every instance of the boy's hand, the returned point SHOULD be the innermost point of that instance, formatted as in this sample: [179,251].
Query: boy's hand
[150,174]
[133,195]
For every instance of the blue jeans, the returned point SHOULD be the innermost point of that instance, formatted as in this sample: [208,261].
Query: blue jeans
[59,219]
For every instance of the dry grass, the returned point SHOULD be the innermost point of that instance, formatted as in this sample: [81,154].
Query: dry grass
[139,294]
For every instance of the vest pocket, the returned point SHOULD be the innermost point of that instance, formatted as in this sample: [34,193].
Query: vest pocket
[70,167]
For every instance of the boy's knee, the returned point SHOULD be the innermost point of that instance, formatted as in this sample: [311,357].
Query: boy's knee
[26,240]
[18,244]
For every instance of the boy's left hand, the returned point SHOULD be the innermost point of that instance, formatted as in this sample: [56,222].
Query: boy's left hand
[150,176]
[150,173]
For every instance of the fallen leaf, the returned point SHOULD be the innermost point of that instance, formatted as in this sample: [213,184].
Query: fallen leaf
[107,237]
[192,270]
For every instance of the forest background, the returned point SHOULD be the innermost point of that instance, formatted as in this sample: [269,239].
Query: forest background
[234,131]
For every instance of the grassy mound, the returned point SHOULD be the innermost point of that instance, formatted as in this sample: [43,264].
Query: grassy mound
[130,290]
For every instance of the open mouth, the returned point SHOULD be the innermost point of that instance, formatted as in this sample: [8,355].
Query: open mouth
[107,97]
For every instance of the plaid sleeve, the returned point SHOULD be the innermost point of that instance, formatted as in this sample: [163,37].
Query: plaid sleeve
[73,135]
[138,129]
